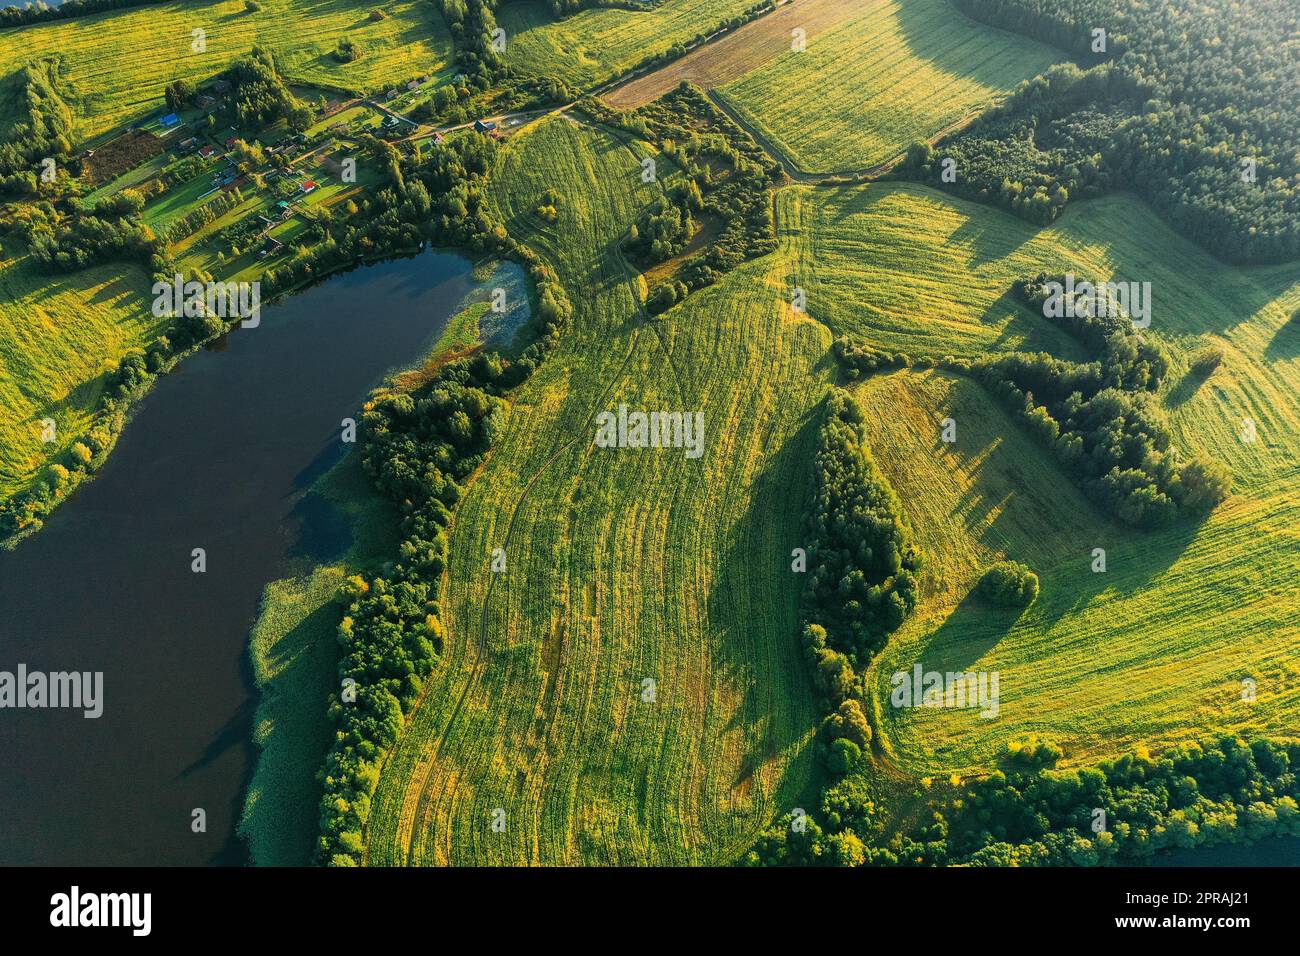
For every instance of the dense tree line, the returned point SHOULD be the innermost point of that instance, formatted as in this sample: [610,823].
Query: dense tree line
[40,13]
[420,450]
[861,585]
[1192,106]
[1028,813]
[1123,811]
[861,565]
[45,129]
[1039,149]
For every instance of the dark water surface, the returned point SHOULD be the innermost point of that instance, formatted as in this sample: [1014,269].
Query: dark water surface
[216,457]
[1279,851]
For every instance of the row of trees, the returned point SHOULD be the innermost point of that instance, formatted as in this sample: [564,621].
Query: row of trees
[1123,811]
[1192,106]
[420,449]
[45,130]
[862,583]
[17,16]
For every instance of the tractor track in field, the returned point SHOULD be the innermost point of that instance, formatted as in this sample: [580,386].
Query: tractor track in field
[802,176]
[480,646]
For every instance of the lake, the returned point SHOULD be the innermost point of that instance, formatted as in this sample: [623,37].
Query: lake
[217,457]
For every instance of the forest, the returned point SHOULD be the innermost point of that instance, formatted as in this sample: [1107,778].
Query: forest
[1189,106]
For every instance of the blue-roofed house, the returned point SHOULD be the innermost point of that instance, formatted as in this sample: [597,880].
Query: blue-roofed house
[171,119]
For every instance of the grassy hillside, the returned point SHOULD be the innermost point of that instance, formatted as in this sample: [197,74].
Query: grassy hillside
[59,337]
[626,565]
[1153,650]
[867,87]
[118,63]
[597,44]
[621,566]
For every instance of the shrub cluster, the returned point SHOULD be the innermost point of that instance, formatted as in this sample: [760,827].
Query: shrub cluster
[728,179]
[1009,583]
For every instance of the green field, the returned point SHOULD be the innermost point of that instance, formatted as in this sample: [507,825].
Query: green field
[1153,650]
[621,566]
[116,64]
[60,336]
[633,565]
[598,44]
[867,87]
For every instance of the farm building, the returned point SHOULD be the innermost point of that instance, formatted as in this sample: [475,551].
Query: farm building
[484,126]
[170,120]
[188,144]
[307,185]
[205,102]
[207,152]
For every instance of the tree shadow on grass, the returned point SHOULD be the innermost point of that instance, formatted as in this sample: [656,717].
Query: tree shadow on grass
[757,562]
[1286,343]
[1187,386]
[974,628]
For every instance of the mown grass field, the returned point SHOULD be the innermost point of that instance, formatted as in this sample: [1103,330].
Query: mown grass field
[116,64]
[595,45]
[60,336]
[1153,650]
[864,89]
[625,565]
[738,53]
[621,566]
